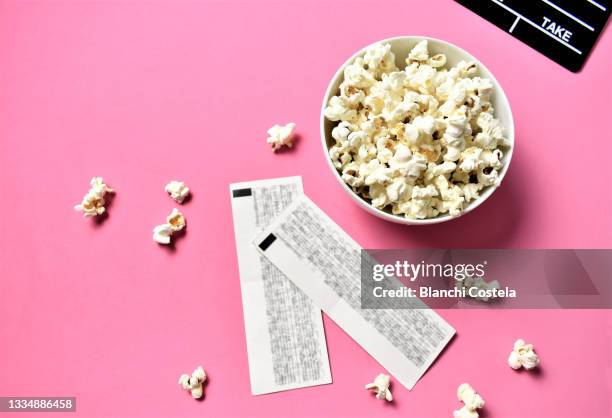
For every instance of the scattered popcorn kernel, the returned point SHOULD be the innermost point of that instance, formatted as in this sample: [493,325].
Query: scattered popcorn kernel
[175,222]
[162,234]
[177,190]
[194,383]
[478,283]
[381,387]
[93,202]
[281,135]
[399,132]
[523,355]
[464,412]
[471,402]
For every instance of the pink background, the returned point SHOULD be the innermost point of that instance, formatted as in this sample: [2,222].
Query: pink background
[144,92]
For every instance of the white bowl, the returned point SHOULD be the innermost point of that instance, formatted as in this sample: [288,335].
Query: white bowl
[401,46]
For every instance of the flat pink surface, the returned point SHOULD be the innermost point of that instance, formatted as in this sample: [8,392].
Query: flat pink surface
[144,92]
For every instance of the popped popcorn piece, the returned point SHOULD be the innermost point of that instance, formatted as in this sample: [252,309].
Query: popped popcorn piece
[423,203]
[357,76]
[399,132]
[491,131]
[162,234]
[281,135]
[438,60]
[451,196]
[93,202]
[469,159]
[464,412]
[524,356]
[472,401]
[381,387]
[487,176]
[175,222]
[471,191]
[341,132]
[419,52]
[479,283]
[337,109]
[177,190]
[194,383]
[380,59]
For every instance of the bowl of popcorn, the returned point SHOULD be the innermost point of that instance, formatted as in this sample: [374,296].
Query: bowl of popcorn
[416,130]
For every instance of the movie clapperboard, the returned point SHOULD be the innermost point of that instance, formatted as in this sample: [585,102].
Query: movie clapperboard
[563,30]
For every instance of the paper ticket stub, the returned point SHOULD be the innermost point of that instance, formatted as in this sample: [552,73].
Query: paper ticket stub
[284,330]
[324,262]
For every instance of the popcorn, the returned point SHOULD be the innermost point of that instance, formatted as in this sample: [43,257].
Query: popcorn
[381,387]
[337,109]
[355,75]
[451,196]
[487,176]
[523,356]
[464,412]
[469,159]
[93,202]
[177,190]
[418,53]
[380,59]
[341,132]
[194,383]
[471,191]
[162,234]
[402,134]
[438,60]
[491,131]
[281,135]
[175,222]
[425,124]
[480,284]
[471,400]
